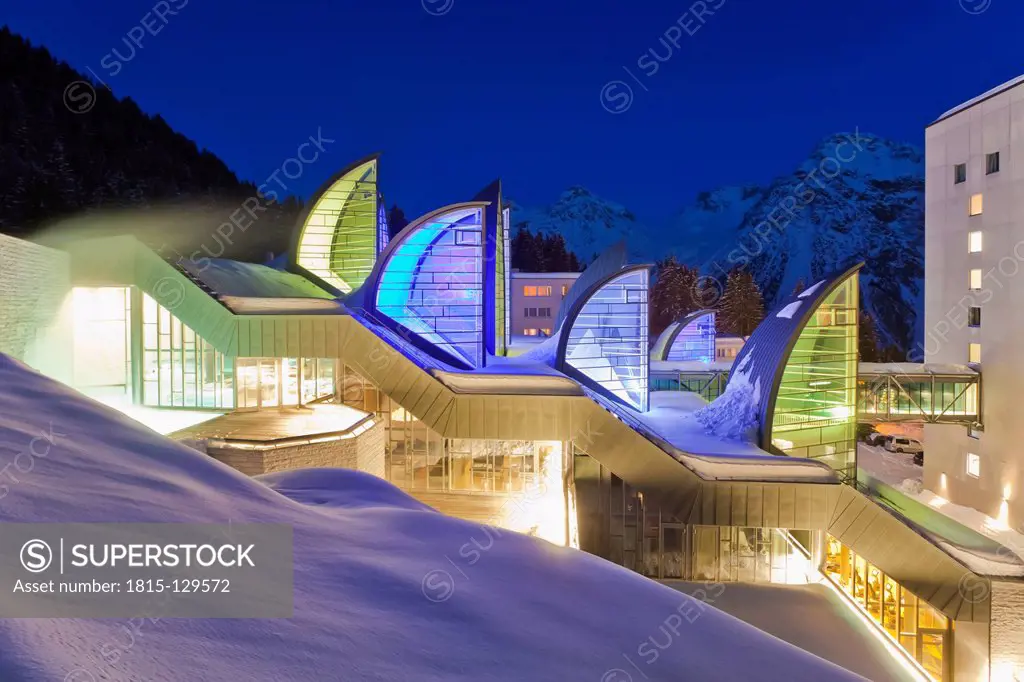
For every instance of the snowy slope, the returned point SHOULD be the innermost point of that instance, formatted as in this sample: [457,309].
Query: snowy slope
[523,610]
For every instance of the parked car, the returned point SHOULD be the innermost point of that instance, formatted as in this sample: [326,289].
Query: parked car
[904,444]
[919,458]
[877,438]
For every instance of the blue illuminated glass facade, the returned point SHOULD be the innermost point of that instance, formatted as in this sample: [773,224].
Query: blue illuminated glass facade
[506,274]
[431,283]
[695,341]
[607,338]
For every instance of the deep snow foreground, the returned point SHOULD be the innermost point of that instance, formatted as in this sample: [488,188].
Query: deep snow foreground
[385,589]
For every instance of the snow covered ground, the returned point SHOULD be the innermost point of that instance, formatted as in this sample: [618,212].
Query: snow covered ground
[383,590]
[892,468]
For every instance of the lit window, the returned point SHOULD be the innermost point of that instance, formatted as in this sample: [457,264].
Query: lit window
[530,332]
[976,204]
[529,291]
[545,332]
[976,278]
[536,291]
[565,289]
[991,163]
[974,242]
[973,465]
[974,352]
[959,173]
[974,316]
[543,291]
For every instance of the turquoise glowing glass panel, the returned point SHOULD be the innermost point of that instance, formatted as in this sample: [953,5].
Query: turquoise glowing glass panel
[432,283]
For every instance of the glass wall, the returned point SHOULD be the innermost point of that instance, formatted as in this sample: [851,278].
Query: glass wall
[383,233]
[432,284]
[923,631]
[695,342]
[607,341]
[276,382]
[749,555]
[816,410]
[179,368]
[338,243]
[506,274]
[102,341]
[913,397]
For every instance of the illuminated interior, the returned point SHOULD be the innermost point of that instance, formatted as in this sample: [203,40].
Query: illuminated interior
[816,412]
[282,382]
[102,341]
[607,340]
[923,631]
[501,291]
[339,240]
[179,367]
[432,283]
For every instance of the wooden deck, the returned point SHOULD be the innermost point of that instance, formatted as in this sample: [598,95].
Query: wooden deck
[274,424]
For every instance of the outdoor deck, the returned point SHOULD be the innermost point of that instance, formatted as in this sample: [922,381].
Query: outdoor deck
[280,424]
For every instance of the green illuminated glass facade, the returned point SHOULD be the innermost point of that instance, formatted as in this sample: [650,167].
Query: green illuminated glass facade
[338,242]
[815,412]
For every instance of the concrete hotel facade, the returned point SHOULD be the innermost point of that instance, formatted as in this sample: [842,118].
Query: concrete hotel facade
[974,295]
[535,299]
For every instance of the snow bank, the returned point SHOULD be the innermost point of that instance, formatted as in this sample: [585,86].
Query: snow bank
[368,564]
[736,414]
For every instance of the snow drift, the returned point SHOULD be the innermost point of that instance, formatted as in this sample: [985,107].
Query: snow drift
[369,562]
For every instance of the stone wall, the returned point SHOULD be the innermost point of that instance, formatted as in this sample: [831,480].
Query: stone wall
[35,306]
[363,453]
[1007,633]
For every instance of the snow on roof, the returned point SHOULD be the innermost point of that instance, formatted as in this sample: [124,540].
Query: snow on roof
[282,306]
[810,290]
[720,365]
[374,596]
[912,368]
[249,280]
[983,96]
[789,310]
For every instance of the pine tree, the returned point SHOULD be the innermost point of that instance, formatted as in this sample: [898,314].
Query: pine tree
[673,294]
[396,220]
[742,306]
[798,287]
[868,343]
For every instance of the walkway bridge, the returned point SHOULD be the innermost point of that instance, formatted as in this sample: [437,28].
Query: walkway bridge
[886,392]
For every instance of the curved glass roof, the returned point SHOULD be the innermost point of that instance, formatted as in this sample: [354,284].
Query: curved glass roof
[430,283]
[689,339]
[604,339]
[805,354]
[338,239]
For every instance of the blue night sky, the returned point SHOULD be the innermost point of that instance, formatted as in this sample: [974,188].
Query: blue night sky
[492,87]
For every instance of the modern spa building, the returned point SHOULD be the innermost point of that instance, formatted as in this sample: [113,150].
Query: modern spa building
[392,355]
[974,246]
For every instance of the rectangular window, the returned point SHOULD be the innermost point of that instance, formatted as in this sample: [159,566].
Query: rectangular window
[529,291]
[974,242]
[530,332]
[976,204]
[545,332]
[536,291]
[974,352]
[991,163]
[565,289]
[959,173]
[543,312]
[975,278]
[974,316]
[543,291]
[529,312]
[973,465]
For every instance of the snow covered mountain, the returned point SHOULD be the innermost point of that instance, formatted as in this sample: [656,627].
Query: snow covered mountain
[856,197]
[588,223]
[377,595]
